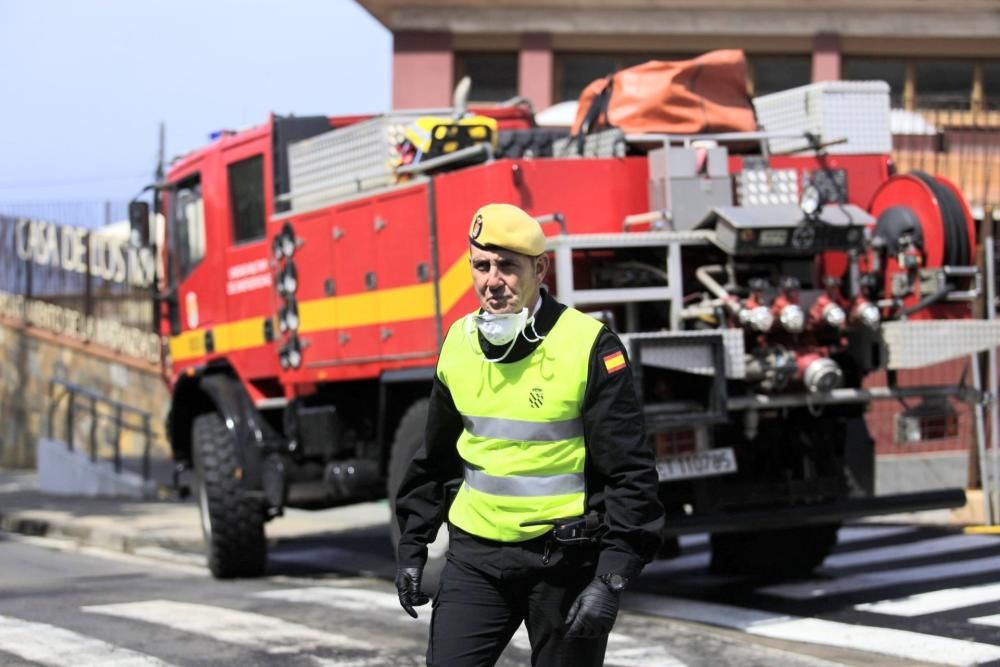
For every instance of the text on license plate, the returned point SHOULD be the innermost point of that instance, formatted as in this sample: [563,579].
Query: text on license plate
[719,461]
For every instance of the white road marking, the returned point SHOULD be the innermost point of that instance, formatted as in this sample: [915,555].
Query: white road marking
[935,601]
[932,547]
[353,599]
[246,629]
[859,533]
[48,645]
[898,643]
[347,598]
[993,620]
[813,588]
[626,651]
[623,650]
[700,559]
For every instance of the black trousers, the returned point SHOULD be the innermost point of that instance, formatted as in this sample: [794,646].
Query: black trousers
[488,588]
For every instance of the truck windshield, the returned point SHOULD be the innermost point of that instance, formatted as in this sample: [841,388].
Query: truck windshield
[187,227]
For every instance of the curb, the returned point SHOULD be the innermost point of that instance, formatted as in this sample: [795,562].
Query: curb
[25,524]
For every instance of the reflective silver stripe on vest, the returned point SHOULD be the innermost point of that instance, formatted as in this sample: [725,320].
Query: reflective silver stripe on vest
[525,485]
[515,429]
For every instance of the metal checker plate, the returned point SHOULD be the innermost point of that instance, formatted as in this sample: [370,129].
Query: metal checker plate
[921,343]
[628,240]
[695,358]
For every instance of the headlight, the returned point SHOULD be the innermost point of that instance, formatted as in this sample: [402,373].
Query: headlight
[295,357]
[811,201]
[290,355]
[287,237]
[288,317]
[288,280]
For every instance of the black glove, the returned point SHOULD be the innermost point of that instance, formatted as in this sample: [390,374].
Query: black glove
[594,611]
[408,587]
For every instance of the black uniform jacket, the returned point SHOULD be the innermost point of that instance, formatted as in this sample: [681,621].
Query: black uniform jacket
[620,472]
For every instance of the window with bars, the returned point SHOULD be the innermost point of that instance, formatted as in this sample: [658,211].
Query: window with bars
[889,70]
[769,74]
[494,75]
[931,84]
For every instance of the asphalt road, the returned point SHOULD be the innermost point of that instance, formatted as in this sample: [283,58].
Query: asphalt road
[61,604]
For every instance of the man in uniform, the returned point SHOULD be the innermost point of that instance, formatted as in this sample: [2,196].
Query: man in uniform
[534,409]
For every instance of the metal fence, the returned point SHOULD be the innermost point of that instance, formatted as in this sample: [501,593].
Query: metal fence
[951,141]
[96,410]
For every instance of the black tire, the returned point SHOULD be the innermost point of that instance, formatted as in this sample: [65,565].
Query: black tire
[232,524]
[779,552]
[405,443]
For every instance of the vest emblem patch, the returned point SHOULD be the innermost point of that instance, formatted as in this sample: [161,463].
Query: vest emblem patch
[536,397]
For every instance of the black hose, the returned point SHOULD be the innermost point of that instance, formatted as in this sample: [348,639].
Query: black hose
[928,300]
[956,233]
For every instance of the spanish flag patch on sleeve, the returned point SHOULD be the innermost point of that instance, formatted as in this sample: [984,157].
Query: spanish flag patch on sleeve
[615,362]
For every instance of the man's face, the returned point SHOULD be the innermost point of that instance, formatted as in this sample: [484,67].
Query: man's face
[506,281]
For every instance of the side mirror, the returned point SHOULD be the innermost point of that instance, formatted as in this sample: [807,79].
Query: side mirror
[138,218]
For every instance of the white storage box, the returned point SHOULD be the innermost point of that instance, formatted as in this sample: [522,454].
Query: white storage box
[857,111]
[347,160]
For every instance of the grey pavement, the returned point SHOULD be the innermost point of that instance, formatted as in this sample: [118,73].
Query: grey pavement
[129,525]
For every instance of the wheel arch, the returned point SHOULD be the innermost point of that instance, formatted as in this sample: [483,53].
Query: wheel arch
[217,388]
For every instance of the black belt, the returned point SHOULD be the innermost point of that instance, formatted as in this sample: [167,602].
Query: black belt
[570,531]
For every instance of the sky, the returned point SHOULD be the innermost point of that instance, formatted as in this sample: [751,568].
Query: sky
[84,85]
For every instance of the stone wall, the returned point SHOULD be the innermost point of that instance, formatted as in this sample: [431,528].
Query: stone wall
[30,357]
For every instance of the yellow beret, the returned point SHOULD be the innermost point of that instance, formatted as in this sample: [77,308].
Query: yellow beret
[508,227]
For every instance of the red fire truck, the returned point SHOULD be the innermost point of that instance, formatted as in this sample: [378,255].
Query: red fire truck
[313,264]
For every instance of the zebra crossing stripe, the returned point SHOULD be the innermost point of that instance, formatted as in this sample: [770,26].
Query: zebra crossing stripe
[813,588]
[864,532]
[886,641]
[699,560]
[935,601]
[623,651]
[246,629]
[993,620]
[351,599]
[48,645]
[924,548]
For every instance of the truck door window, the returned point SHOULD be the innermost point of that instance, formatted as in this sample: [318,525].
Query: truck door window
[188,224]
[246,194]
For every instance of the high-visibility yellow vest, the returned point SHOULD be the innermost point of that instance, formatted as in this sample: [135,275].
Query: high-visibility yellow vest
[522,446]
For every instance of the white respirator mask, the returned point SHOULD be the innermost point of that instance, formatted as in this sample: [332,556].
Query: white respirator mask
[502,329]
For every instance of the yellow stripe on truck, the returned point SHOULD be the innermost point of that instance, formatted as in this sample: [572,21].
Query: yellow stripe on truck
[187,345]
[397,304]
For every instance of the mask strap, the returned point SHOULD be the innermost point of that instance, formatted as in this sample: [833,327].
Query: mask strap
[534,331]
[470,328]
[504,355]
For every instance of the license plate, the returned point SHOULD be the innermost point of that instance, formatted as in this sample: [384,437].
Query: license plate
[721,461]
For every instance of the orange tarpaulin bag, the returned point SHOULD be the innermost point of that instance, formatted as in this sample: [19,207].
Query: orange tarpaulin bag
[704,94]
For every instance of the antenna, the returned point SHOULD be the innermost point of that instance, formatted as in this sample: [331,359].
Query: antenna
[159,155]
[460,98]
